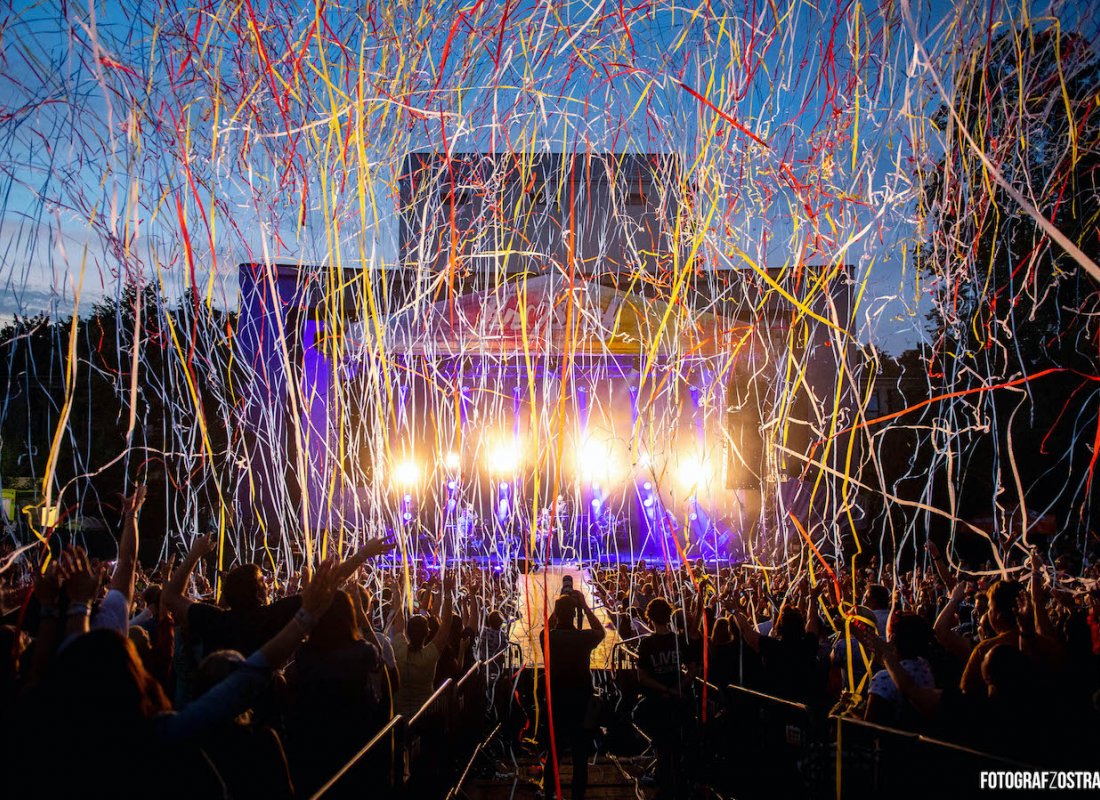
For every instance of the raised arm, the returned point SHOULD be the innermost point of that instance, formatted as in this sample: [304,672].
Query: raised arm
[81,584]
[940,563]
[948,639]
[372,549]
[924,701]
[590,615]
[316,598]
[47,589]
[238,691]
[1039,600]
[397,620]
[362,619]
[173,597]
[748,630]
[123,578]
[446,616]
[813,601]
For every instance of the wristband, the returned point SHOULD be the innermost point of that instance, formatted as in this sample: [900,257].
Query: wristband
[79,609]
[305,620]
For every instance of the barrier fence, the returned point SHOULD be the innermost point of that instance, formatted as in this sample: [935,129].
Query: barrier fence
[423,756]
[758,745]
[751,744]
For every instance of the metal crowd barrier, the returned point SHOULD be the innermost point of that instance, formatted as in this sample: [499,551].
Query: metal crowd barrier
[875,761]
[426,738]
[420,756]
[770,739]
[384,750]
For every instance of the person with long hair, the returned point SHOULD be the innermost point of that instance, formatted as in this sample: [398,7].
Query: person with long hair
[114,709]
[417,652]
[333,708]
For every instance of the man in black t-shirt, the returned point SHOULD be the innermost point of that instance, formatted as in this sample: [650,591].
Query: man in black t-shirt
[663,712]
[569,669]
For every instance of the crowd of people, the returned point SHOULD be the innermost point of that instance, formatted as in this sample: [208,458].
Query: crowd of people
[1006,663]
[190,682]
[194,684]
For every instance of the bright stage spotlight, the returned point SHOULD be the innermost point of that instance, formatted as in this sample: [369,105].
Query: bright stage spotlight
[695,473]
[503,458]
[405,473]
[452,460]
[595,460]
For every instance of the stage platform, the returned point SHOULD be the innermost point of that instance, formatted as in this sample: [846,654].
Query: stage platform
[537,592]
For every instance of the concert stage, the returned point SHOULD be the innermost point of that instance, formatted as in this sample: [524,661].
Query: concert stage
[537,592]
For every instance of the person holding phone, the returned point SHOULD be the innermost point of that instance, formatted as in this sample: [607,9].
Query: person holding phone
[567,590]
[567,651]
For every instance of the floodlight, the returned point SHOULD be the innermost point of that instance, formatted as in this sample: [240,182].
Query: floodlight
[503,458]
[405,473]
[595,460]
[694,473]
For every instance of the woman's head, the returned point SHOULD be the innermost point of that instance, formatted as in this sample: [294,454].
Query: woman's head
[791,624]
[215,668]
[416,631]
[720,633]
[910,634]
[1002,605]
[243,588]
[98,678]
[337,627]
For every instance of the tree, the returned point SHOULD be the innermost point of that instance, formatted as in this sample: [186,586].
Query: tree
[96,460]
[1014,317]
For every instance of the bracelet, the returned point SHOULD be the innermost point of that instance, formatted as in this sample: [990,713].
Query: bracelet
[79,609]
[305,620]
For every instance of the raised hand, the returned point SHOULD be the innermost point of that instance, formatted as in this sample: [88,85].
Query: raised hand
[131,505]
[80,580]
[318,593]
[202,546]
[47,585]
[870,640]
[376,547]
